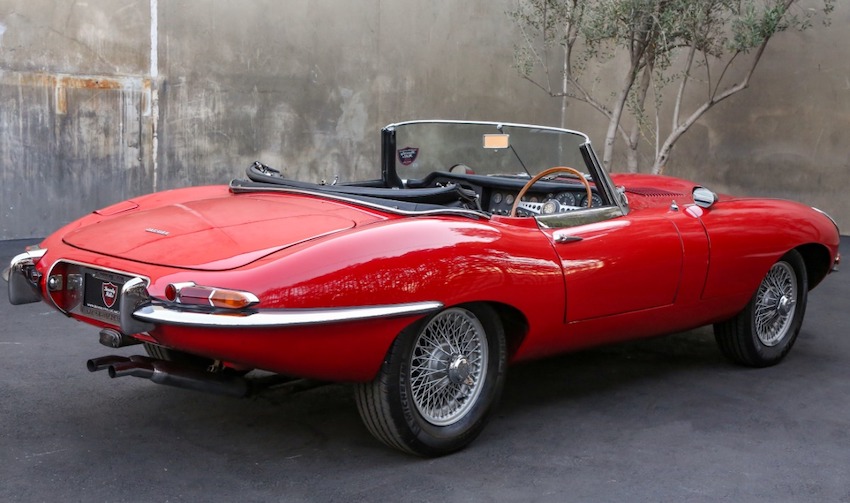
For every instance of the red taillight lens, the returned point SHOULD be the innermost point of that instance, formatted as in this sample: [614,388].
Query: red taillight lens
[171,293]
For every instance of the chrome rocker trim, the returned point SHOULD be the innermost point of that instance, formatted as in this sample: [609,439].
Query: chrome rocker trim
[22,290]
[138,314]
[160,314]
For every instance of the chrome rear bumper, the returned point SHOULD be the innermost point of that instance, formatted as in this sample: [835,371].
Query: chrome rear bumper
[23,278]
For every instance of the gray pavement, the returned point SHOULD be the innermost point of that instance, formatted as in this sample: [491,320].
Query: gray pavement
[661,420]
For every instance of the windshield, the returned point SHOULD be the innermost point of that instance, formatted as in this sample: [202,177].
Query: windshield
[484,149]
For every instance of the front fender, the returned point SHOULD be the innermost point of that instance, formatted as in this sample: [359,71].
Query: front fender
[747,236]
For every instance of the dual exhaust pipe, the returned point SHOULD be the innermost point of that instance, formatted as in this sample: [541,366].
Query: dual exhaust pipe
[170,374]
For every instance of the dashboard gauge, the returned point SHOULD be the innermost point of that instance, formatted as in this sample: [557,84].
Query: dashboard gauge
[567,198]
[550,206]
[596,200]
[534,199]
[497,197]
[509,199]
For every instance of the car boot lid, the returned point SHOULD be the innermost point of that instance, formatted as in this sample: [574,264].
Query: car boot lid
[216,233]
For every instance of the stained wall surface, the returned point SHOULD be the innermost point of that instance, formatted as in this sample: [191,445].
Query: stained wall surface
[106,99]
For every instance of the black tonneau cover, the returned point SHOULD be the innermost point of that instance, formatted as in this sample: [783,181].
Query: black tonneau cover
[452,195]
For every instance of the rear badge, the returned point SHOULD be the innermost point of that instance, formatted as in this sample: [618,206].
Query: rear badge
[157,231]
[407,155]
[109,292]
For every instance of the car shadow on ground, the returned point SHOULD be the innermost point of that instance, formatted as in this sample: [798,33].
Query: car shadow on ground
[592,371]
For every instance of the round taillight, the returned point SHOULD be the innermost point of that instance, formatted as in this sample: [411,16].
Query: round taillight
[171,292]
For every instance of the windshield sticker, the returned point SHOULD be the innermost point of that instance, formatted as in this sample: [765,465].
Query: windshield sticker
[407,155]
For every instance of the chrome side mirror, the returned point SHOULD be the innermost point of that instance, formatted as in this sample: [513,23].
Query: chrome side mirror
[621,191]
[704,198]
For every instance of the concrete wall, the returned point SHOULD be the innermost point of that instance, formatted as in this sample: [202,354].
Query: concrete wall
[788,135]
[90,114]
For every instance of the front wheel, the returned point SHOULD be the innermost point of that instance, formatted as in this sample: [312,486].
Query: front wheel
[764,332]
[438,383]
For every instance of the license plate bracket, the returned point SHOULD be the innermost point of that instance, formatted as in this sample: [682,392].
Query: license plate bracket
[101,295]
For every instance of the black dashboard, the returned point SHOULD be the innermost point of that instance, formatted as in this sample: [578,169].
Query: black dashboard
[497,195]
[501,202]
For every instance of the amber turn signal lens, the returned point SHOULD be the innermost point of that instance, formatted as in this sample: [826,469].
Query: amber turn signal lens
[230,299]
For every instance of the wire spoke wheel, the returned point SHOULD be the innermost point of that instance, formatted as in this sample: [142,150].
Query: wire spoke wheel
[775,304]
[765,330]
[438,383]
[448,366]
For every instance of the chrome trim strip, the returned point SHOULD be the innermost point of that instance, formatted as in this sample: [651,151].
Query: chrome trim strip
[75,309]
[98,268]
[488,123]
[827,215]
[837,263]
[168,315]
[578,217]
[236,189]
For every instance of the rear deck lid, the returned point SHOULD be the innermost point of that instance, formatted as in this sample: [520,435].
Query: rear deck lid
[216,233]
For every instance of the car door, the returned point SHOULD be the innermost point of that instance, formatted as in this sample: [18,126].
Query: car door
[618,265]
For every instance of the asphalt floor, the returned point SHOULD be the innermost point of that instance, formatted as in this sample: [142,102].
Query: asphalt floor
[662,420]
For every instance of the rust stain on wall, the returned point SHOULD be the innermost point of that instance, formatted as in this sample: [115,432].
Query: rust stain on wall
[80,81]
[61,96]
[89,135]
[60,83]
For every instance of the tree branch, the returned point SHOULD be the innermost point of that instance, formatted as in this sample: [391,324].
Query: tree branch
[681,93]
[662,157]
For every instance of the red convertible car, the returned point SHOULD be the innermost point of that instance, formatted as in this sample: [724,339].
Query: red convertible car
[482,244]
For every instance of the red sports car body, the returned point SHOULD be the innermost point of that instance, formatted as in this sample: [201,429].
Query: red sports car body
[482,244]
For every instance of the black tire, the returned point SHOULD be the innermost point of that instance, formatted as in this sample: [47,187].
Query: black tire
[397,407]
[765,331]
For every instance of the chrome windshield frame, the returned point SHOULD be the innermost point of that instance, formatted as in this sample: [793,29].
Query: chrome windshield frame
[593,166]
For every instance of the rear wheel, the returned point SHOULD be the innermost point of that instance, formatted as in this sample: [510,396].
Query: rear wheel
[438,383]
[764,332]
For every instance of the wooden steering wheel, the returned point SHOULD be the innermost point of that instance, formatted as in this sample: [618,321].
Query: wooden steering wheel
[547,172]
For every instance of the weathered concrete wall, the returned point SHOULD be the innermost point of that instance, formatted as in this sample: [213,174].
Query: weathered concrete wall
[304,85]
[75,122]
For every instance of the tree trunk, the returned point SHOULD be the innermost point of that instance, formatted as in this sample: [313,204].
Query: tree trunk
[634,136]
[565,81]
[616,115]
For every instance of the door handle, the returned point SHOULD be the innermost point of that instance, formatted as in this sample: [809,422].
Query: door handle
[566,238]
